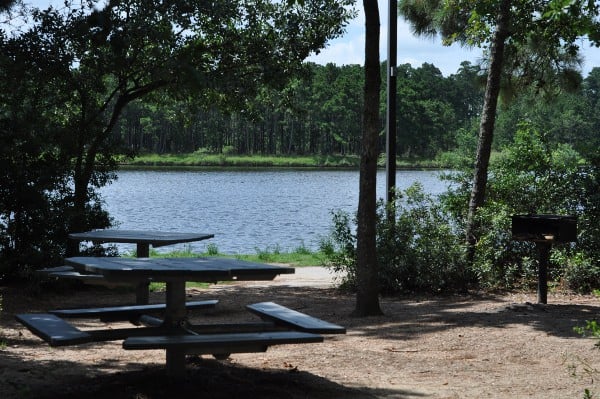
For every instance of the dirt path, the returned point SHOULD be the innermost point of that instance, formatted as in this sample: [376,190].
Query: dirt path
[478,346]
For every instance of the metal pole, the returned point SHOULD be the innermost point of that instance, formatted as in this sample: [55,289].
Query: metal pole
[391,100]
[544,253]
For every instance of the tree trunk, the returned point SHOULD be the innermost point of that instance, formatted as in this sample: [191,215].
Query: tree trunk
[84,168]
[486,127]
[367,296]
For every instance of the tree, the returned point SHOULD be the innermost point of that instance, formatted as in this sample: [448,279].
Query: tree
[6,5]
[367,296]
[34,175]
[508,31]
[592,93]
[94,58]
[488,119]
[426,117]
[466,92]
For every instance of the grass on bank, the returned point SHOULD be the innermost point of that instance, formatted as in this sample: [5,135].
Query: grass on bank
[298,257]
[292,161]
[221,160]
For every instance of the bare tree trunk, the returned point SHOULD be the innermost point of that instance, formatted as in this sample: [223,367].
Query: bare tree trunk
[367,296]
[486,127]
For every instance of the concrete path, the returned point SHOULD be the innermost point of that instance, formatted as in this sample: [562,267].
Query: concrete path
[306,276]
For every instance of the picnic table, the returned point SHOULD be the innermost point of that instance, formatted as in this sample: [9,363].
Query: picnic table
[143,240]
[173,332]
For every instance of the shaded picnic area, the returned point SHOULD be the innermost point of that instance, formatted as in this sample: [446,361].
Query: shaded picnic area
[499,345]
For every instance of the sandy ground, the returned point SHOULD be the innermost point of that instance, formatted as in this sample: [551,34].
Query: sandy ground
[476,346]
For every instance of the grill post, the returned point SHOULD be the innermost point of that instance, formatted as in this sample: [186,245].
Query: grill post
[544,252]
[544,230]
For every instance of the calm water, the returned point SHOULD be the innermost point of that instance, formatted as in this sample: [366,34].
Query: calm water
[246,210]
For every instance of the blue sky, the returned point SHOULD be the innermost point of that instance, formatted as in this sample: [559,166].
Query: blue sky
[349,49]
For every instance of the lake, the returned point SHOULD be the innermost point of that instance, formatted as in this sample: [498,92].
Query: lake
[247,210]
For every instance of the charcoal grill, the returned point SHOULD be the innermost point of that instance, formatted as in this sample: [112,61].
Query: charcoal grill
[544,230]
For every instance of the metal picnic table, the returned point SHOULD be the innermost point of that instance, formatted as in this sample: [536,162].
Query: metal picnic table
[174,333]
[143,240]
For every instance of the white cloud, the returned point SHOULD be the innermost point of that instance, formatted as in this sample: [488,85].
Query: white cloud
[342,52]
[349,49]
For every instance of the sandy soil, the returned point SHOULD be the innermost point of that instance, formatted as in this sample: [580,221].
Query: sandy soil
[476,346]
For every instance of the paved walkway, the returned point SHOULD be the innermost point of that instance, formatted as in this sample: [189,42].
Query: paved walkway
[307,276]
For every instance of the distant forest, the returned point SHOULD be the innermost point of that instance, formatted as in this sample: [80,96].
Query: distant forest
[320,113]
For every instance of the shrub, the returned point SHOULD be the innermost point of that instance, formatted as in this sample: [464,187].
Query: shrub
[422,249]
[580,273]
[212,249]
[533,176]
[339,249]
[418,251]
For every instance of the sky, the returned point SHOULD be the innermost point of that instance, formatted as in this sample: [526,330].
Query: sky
[349,49]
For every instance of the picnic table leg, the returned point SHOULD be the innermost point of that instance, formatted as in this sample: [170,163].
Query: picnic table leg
[142,250]
[142,293]
[176,363]
[175,317]
[142,290]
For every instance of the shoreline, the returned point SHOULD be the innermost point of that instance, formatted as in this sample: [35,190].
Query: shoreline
[222,161]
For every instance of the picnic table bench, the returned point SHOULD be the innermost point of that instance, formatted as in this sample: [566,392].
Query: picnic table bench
[53,329]
[173,333]
[221,346]
[218,340]
[68,272]
[129,312]
[294,319]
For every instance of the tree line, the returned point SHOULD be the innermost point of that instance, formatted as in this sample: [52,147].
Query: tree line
[84,84]
[319,113]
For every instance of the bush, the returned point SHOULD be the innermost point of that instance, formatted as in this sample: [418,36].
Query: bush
[533,176]
[418,251]
[422,249]
[580,273]
[339,249]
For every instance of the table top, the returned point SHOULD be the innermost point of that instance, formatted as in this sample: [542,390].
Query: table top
[155,238]
[205,269]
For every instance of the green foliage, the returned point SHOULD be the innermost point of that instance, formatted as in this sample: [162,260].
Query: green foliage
[587,394]
[541,43]
[316,117]
[302,250]
[161,287]
[212,249]
[340,248]
[186,252]
[419,251]
[219,160]
[298,257]
[68,73]
[431,109]
[581,273]
[533,175]
[36,183]
[268,254]
[591,329]
[323,104]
